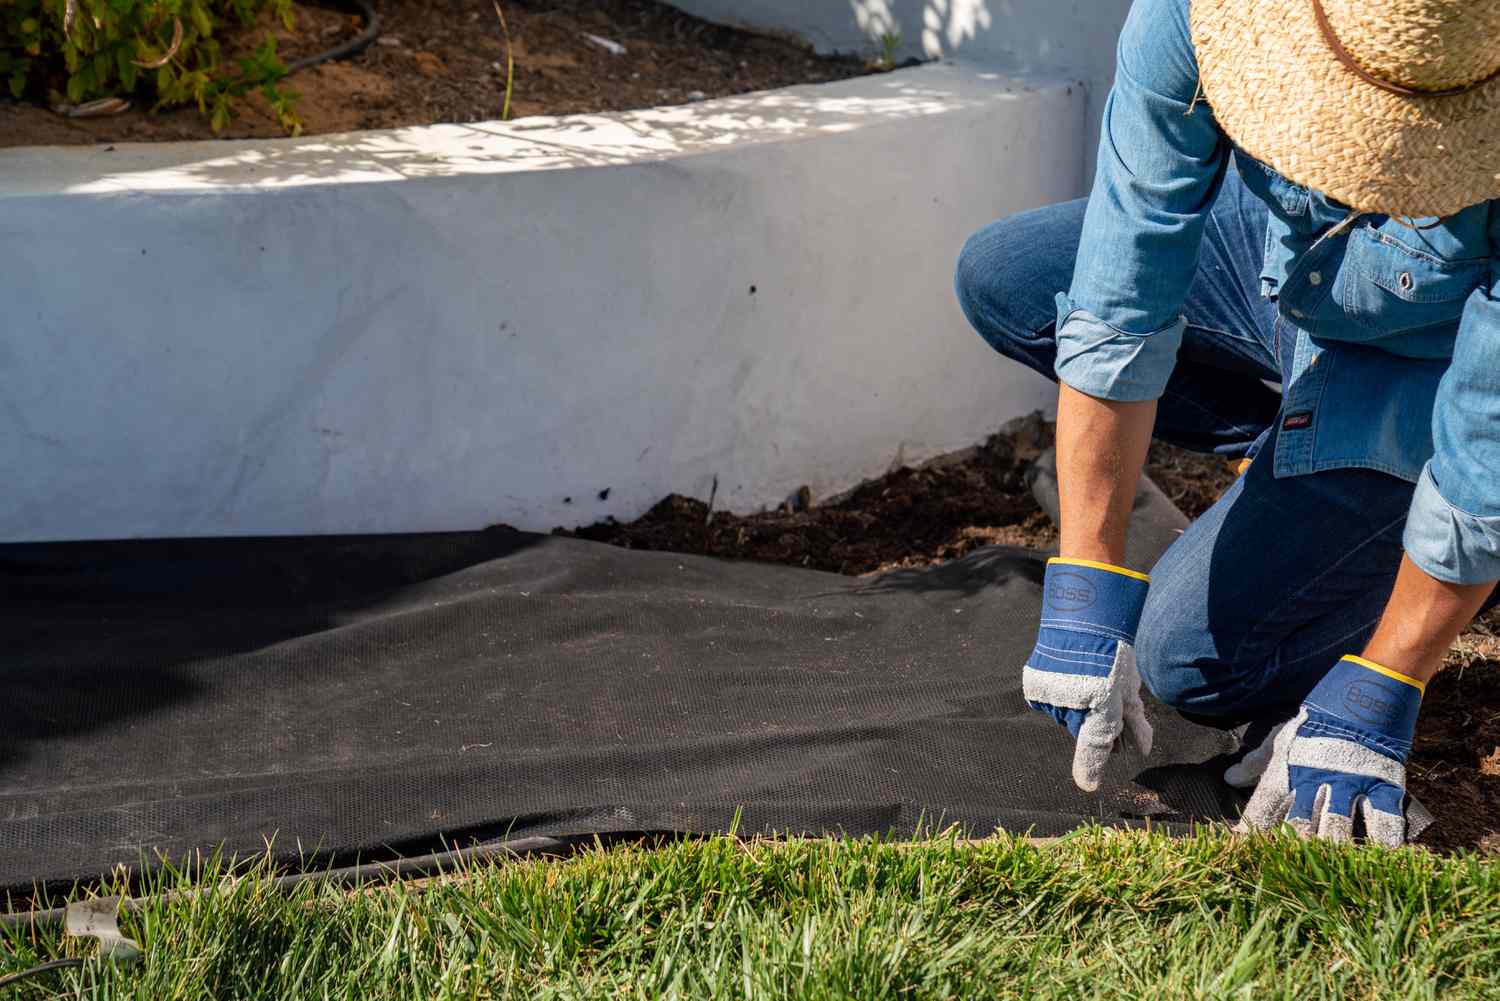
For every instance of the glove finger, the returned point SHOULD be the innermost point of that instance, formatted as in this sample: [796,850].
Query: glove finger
[1387,820]
[1418,818]
[1381,826]
[1096,740]
[1333,824]
[1308,803]
[1138,732]
[1137,727]
[1269,805]
[1267,809]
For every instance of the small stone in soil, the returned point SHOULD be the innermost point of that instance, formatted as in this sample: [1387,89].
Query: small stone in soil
[612,47]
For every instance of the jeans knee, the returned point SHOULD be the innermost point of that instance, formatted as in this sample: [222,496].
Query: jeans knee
[1006,293]
[1164,655]
[973,281]
[1182,662]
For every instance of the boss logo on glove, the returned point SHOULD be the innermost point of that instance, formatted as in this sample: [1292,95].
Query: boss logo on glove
[1069,592]
[1367,703]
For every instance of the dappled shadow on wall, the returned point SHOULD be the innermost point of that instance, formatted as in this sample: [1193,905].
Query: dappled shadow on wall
[945,24]
[549,143]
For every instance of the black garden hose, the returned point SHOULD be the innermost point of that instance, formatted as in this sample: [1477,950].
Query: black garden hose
[353,46]
[56,964]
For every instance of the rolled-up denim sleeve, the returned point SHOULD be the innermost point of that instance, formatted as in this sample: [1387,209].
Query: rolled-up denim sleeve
[1453,528]
[1161,160]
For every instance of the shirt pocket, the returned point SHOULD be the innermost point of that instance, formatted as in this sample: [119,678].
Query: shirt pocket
[1391,286]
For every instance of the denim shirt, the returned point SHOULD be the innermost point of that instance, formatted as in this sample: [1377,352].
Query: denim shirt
[1397,334]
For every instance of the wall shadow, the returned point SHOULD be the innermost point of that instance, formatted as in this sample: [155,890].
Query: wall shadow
[99,633]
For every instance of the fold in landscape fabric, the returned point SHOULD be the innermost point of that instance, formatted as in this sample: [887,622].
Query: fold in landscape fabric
[371,696]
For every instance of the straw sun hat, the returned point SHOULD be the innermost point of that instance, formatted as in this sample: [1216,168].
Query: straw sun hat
[1389,106]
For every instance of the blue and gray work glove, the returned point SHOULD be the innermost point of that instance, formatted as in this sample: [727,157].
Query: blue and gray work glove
[1082,672]
[1343,755]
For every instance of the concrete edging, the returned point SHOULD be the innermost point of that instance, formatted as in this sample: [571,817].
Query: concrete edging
[540,322]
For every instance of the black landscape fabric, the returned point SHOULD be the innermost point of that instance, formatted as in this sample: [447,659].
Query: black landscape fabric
[361,697]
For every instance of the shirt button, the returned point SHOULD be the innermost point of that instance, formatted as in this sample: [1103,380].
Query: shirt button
[1316,278]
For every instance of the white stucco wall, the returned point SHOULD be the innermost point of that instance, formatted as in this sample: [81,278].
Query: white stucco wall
[1073,38]
[449,327]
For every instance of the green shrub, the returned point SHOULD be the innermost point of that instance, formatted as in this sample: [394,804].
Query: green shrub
[165,52]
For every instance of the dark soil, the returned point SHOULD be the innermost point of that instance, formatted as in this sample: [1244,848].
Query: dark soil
[922,516]
[444,61]
[909,517]
[1455,767]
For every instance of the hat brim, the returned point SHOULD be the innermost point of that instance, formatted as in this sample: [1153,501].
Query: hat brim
[1281,94]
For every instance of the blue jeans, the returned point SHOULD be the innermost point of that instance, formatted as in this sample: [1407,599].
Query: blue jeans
[1264,592]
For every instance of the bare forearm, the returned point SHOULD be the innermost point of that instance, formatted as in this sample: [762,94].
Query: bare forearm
[1101,447]
[1422,619]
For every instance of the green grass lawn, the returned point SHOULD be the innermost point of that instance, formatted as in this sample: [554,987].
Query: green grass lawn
[1098,914]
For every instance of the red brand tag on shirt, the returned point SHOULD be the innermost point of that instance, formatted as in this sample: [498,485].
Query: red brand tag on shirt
[1297,421]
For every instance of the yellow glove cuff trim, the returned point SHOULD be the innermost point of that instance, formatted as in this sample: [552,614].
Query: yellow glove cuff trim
[1100,566]
[1382,669]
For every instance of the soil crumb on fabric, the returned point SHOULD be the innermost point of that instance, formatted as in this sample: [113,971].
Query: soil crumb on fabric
[949,507]
[444,61]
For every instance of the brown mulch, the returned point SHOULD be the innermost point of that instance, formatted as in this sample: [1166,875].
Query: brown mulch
[444,61]
[940,511]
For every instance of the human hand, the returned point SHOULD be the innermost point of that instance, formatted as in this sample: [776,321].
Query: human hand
[1082,670]
[1343,755]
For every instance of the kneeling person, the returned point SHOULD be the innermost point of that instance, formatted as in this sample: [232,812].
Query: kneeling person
[1303,193]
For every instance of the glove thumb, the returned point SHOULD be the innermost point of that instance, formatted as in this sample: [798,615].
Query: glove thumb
[1273,797]
[1247,771]
[1096,741]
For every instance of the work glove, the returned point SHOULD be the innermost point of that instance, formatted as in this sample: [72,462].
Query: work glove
[1082,671]
[1343,755]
